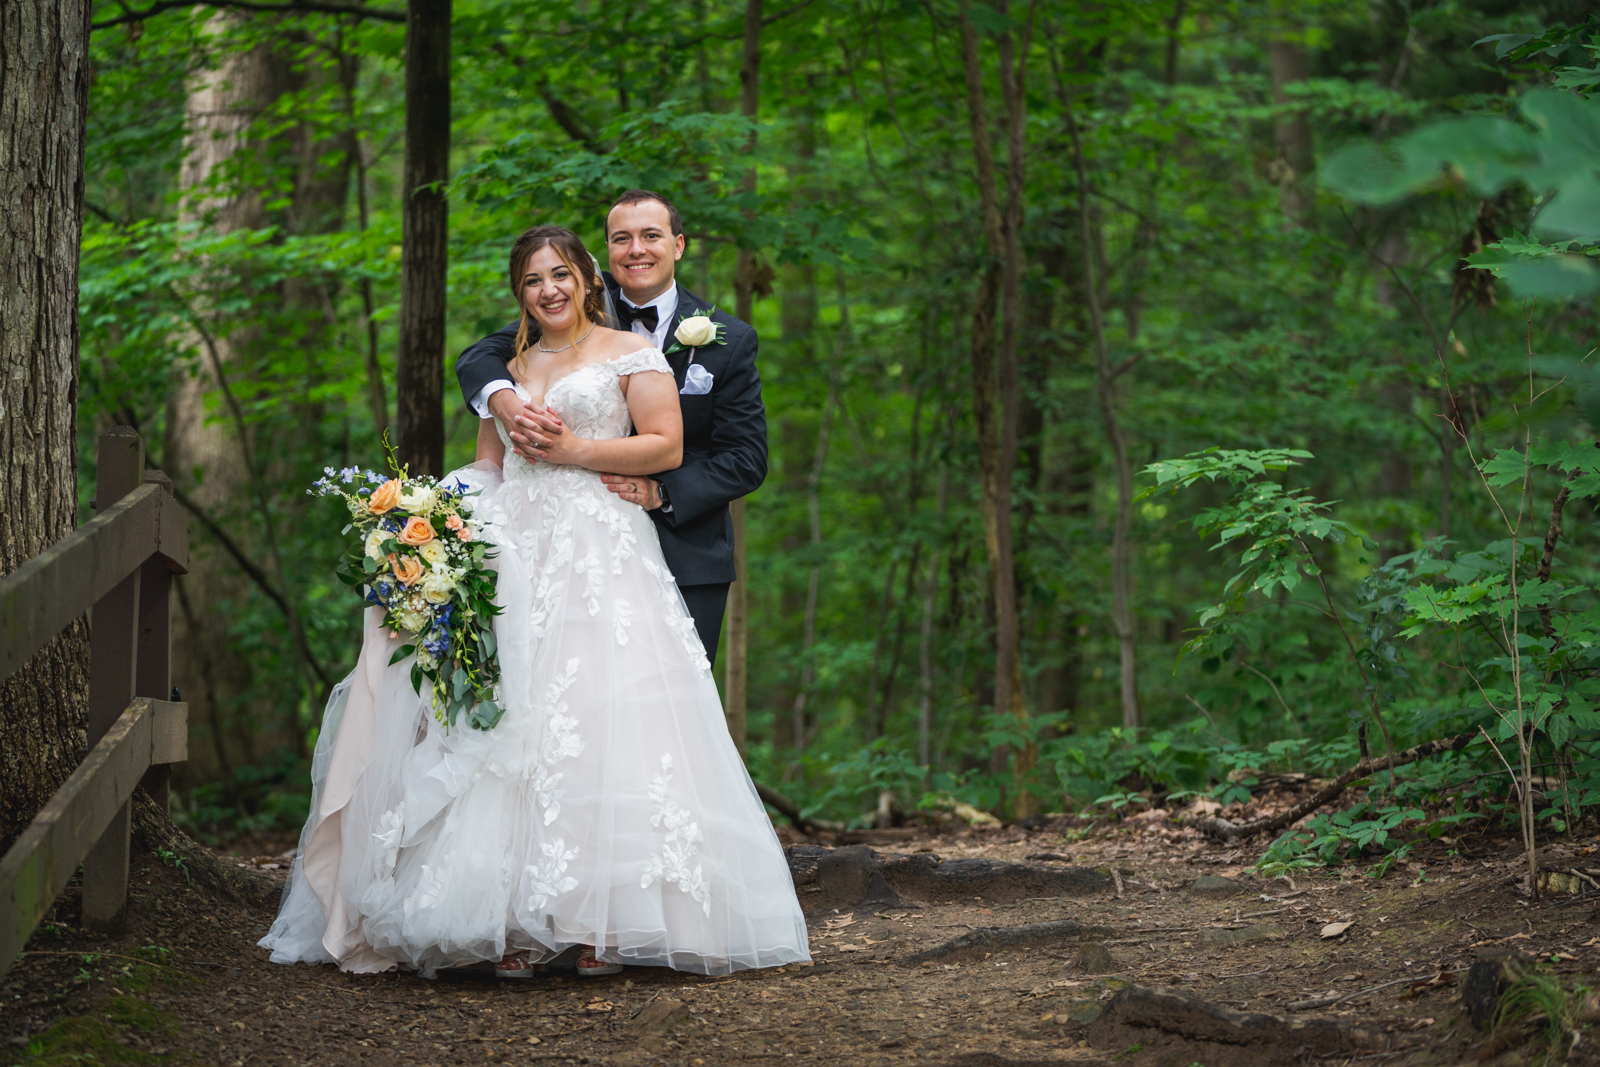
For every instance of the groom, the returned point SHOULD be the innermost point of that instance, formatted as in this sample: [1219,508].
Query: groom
[724,422]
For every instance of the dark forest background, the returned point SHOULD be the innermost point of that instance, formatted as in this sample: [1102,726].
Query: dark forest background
[1002,259]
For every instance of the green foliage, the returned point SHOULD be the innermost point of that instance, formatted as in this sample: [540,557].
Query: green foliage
[1273,525]
[1541,1000]
[1551,151]
[1243,308]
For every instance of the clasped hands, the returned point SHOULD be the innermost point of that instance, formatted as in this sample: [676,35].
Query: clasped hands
[541,436]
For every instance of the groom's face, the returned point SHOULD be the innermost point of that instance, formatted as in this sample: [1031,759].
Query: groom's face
[644,251]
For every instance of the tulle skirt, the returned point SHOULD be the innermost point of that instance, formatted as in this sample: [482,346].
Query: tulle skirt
[608,807]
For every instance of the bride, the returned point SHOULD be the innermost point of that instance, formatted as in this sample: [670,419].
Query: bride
[608,810]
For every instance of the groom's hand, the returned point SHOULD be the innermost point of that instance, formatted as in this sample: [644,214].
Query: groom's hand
[635,489]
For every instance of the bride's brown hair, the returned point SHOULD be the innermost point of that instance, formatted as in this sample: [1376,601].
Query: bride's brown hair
[569,246]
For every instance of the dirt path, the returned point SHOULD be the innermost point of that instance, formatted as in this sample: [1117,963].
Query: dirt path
[188,985]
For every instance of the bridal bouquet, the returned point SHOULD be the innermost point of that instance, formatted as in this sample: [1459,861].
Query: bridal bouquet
[414,553]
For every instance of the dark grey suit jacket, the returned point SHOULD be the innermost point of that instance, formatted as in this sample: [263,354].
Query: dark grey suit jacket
[724,439]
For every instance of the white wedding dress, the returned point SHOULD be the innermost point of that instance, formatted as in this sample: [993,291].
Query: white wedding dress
[608,807]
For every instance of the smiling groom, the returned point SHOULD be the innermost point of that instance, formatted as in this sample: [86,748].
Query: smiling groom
[719,390]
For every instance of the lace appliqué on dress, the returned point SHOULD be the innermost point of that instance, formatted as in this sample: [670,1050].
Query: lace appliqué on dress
[677,618]
[561,741]
[391,826]
[546,880]
[429,891]
[678,847]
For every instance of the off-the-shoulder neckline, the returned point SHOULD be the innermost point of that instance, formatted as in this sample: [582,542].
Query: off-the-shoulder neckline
[600,363]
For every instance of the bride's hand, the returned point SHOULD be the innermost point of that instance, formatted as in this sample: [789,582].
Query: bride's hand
[550,440]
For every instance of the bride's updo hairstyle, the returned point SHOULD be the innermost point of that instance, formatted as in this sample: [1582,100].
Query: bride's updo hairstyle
[570,248]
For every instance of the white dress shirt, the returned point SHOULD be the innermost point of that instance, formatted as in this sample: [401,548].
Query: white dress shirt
[666,306]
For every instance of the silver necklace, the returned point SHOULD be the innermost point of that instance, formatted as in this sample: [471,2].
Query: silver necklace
[574,344]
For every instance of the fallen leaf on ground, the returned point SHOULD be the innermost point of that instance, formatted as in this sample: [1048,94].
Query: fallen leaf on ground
[1333,930]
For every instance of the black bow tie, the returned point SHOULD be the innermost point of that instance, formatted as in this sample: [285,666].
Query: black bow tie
[629,315]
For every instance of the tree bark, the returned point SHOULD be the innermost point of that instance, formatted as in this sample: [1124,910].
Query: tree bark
[377,395]
[1122,468]
[44,91]
[995,383]
[925,666]
[744,285]
[425,239]
[814,508]
[798,314]
[216,463]
[1292,131]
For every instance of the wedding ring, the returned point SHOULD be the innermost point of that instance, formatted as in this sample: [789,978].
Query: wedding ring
[633,487]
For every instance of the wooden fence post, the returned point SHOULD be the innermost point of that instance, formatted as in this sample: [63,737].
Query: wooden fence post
[113,658]
[153,657]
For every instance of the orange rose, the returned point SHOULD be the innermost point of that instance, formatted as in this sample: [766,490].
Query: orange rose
[385,497]
[406,568]
[417,531]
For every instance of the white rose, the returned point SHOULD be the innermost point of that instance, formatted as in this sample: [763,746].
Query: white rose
[434,552]
[411,621]
[375,544]
[696,331]
[437,587]
[419,500]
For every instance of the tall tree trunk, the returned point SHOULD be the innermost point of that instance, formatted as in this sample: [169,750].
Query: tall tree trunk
[798,313]
[814,513]
[744,285]
[202,452]
[930,593]
[1065,486]
[377,395]
[219,466]
[44,92]
[425,239]
[995,385]
[1106,390]
[1292,131]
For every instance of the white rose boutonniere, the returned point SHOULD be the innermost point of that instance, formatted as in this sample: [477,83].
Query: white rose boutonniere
[697,331]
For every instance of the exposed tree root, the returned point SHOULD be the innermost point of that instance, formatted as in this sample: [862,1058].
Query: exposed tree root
[1232,832]
[1275,1038]
[991,939]
[857,875]
[154,833]
[791,811]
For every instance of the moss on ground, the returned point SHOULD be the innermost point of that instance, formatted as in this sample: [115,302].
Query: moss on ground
[100,1038]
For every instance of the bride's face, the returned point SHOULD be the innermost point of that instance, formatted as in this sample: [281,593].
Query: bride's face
[552,291]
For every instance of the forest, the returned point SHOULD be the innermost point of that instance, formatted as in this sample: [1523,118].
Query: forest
[1160,394]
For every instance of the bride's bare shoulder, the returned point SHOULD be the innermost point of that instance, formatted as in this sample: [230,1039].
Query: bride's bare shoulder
[617,343]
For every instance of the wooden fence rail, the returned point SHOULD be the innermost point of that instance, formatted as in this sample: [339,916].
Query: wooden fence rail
[120,564]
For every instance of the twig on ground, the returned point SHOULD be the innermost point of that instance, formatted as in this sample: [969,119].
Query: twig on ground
[1318,1002]
[110,955]
[1116,877]
[1233,833]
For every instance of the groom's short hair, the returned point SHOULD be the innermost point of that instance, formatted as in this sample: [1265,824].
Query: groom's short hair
[639,196]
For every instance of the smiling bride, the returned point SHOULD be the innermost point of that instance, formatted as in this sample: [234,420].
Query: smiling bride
[608,811]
